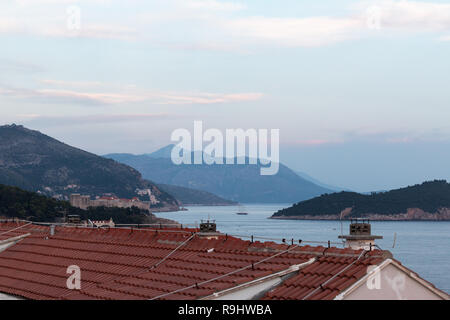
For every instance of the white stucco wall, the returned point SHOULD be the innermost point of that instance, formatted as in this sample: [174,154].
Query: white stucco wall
[391,283]
[4,296]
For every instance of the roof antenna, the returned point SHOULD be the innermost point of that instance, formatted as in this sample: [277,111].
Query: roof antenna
[395,239]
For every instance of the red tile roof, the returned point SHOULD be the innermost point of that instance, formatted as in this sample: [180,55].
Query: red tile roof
[14,229]
[326,277]
[117,264]
[108,198]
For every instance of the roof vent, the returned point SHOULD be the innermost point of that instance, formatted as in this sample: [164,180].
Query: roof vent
[360,236]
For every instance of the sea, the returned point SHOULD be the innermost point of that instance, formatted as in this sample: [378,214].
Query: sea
[423,246]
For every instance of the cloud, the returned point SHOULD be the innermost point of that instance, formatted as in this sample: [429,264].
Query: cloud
[212,5]
[36,119]
[114,96]
[93,31]
[205,98]
[59,29]
[444,38]
[64,2]
[229,25]
[293,32]
[228,32]
[72,83]
[387,16]
[62,19]
[67,96]
[414,16]
[95,98]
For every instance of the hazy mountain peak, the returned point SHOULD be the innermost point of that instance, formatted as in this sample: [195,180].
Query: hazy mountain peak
[241,183]
[164,152]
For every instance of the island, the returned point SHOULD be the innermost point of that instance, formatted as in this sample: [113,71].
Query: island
[427,201]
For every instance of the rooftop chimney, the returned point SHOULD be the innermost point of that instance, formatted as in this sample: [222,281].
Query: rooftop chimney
[208,226]
[360,236]
[208,229]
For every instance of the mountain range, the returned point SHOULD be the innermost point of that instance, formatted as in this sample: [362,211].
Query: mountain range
[241,183]
[36,162]
[427,201]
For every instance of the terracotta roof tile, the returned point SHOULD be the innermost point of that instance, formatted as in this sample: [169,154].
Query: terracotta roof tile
[327,276]
[119,264]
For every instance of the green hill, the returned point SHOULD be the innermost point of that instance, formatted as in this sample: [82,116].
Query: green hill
[36,162]
[429,200]
[18,203]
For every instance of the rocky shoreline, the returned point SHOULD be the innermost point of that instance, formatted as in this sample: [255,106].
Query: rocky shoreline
[208,205]
[167,208]
[412,214]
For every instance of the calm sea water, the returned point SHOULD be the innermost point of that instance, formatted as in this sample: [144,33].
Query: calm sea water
[421,246]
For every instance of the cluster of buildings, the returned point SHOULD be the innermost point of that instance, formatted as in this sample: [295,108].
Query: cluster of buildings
[85,201]
[99,223]
[187,264]
[75,220]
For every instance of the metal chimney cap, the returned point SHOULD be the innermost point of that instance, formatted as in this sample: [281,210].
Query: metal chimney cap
[360,229]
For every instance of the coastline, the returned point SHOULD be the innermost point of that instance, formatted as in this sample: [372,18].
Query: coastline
[208,205]
[182,208]
[337,219]
[411,214]
[165,209]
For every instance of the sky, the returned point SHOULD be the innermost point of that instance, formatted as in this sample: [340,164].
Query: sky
[360,90]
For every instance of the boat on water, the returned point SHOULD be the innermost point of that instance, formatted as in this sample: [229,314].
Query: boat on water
[242,211]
